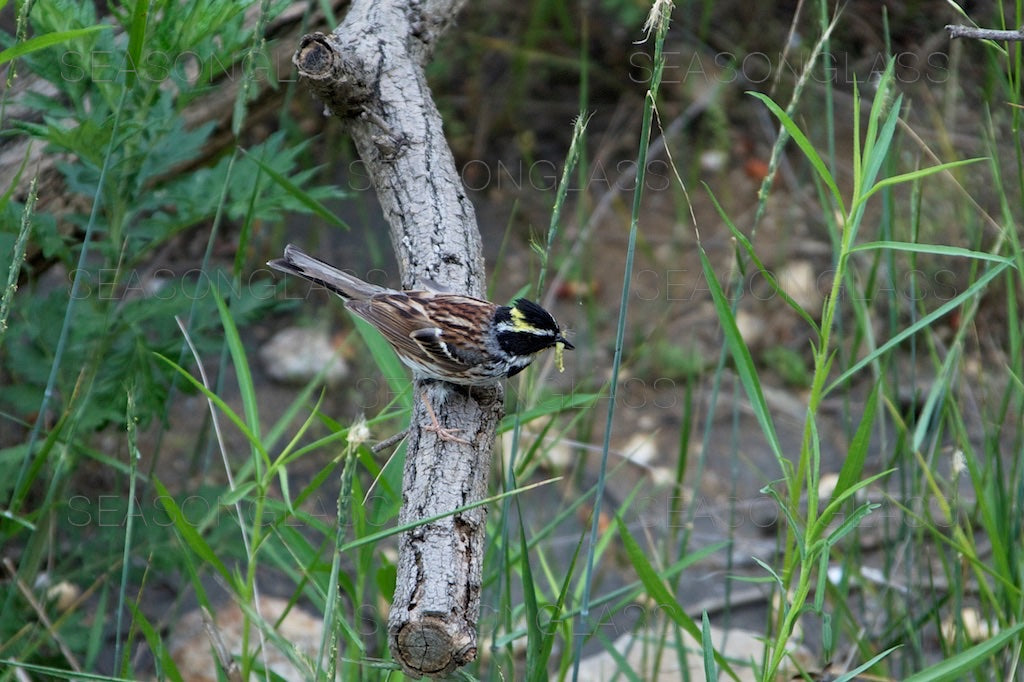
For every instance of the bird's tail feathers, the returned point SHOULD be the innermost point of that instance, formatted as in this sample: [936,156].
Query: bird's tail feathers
[298,262]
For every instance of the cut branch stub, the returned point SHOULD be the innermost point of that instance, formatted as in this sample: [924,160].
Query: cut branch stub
[332,80]
[430,648]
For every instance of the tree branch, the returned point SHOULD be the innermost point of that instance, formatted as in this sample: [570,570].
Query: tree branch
[369,72]
[957,31]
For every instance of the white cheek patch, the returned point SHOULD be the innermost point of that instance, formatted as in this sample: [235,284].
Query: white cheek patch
[506,327]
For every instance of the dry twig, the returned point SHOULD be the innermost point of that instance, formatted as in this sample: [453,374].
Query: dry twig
[957,31]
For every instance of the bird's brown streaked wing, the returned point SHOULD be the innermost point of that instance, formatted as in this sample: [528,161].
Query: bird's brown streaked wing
[432,343]
[404,321]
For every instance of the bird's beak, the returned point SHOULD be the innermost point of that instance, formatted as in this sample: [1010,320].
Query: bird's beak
[565,344]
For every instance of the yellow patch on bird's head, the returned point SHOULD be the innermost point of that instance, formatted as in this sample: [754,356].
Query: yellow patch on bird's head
[520,322]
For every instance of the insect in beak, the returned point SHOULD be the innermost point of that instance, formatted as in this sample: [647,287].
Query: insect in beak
[560,345]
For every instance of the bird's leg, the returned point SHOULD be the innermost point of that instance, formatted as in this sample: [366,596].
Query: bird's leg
[442,432]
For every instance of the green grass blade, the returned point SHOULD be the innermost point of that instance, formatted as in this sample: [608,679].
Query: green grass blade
[853,465]
[387,361]
[656,589]
[877,141]
[627,594]
[921,324]
[126,554]
[48,40]
[571,159]
[58,673]
[217,401]
[136,40]
[912,176]
[623,667]
[314,205]
[240,362]
[165,665]
[535,665]
[377,537]
[851,675]
[17,256]
[189,534]
[548,642]
[837,500]
[934,249]
[744,362]
[744,242]
[708,650]
[805,146]
[956,667]
[577,400]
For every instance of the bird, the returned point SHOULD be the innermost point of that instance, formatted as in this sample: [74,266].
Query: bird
[441,336]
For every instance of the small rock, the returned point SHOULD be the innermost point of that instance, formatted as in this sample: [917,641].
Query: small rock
[641,448]
[827,485]
[190,642]
[797,279]
[63,595]
[638,649]
[713,160]
[295,355]
[976,628]
[750,326]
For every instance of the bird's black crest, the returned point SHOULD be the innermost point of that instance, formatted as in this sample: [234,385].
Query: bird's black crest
[534,315]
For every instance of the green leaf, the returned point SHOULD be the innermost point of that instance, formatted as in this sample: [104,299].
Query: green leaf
[756,260]
[805,146]
[710,672]
[934,249]
[853,465]
[741,357]
[48,40]
[956,667]
[136,39]
[298,193]
[923,323]
[656,589]
[189,534]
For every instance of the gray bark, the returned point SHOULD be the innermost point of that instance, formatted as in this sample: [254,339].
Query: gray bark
[369,72]
[956,31]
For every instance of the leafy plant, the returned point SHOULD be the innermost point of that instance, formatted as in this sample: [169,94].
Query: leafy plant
[135,177]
